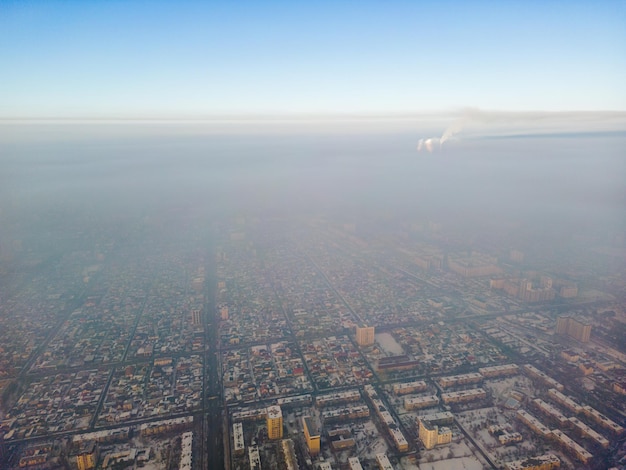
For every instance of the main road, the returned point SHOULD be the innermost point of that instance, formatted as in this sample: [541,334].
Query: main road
[212,435]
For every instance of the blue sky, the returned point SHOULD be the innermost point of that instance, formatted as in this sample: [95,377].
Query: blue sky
[119,59]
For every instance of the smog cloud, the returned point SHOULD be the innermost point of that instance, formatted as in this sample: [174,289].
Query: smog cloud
[501,123]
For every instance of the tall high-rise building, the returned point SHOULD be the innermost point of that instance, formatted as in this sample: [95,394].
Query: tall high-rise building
[573,328]
[562,323]
[312,435]
[536,292]
[196,316]
[568,291]
[274,422]
[432,435]
[224,312]
[579,330]
[365,335]
[428,434]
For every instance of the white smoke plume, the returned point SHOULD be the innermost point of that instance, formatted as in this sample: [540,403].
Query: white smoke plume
[477,122]
[430,144]
[455,128]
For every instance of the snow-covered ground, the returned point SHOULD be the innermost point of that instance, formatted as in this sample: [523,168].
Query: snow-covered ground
[501,388]
[464,463]
[457,456]
[477,423]
[388,344]
[369,441]
[153,465]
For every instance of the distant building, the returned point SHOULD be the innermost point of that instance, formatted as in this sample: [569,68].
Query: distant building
[568,291]
[224,312]
[461,379]
[516,256]
[564,400]
[156,427]
[499,371]
[602,420]
[509,437]
[396,362]
[535,373]
[542,291]
[527,290]
[541,462]
[312,435]
[463,396]
[238,442]
[186,457]
[198,284]
[337,397]
[341,439]
[475,265]
[346,413]
[586,367]
[383,462]
[551,411]
[569,355]
[196,317]
[577,329]
[571,446]
[254,458]
[365,335]
[37,458]
[87,455]
[432,435]
[289,454]
[162,361]
[620,387]
[588,432]
[425,257]
[442,417]
[416,403]
[409,387]
[274,422]
[533,423]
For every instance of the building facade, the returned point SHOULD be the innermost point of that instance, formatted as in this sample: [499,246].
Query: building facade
[432,435]
[274,422]
[365,335]
[312,435]
[577,329]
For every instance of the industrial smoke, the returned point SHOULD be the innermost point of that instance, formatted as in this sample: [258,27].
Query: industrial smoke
[430,144]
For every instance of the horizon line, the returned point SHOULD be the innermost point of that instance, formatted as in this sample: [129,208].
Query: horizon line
[304,116]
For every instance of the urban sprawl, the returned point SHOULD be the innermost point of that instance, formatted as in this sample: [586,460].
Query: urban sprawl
[317,344]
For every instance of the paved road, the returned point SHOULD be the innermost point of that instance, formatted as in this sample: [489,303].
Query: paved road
[213,429]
